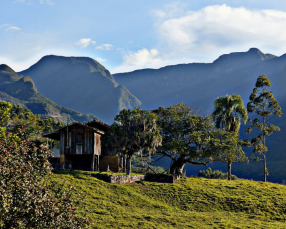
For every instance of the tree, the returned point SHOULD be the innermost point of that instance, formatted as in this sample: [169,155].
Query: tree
[227,113]
[134,131]
[187,137]
[231,150]
[263,103]
[27,198]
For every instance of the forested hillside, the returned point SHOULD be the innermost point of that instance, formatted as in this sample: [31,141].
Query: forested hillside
[21,90]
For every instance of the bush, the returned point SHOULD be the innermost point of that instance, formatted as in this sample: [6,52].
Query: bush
[216,174]
[27,198]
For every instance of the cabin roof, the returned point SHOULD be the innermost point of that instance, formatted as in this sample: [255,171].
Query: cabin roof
[56,135]
[98,125]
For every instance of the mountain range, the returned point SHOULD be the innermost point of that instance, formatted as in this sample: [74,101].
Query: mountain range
[83,84]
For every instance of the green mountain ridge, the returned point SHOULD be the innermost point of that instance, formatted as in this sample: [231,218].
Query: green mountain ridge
[21,90]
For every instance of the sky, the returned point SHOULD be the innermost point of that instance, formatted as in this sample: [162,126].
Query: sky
[127,35]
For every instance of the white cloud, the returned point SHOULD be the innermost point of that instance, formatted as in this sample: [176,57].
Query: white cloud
[219,29]
[84,42]
[205,34]
[13,28]
[48,2]
[100,59]
[104,47]
[143,58]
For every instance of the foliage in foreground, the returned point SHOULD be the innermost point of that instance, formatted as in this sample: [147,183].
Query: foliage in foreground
[26,200]
[189,203]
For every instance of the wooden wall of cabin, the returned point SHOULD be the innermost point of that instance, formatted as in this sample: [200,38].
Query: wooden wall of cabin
[80,140]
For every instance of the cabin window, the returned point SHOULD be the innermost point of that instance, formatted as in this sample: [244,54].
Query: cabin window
[79,143]
[78,148]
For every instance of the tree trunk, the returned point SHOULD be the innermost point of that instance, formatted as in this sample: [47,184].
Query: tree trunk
[264,154]
[229,171]
[121,162]
[265,169]
[128,165]
[177,166]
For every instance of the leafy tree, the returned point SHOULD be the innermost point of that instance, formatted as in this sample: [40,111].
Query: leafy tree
[231,150]
[187,137]
[263,103]
[229,110]
[134,131]
[27,199]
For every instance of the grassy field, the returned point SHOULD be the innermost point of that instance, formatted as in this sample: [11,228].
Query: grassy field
[190,203]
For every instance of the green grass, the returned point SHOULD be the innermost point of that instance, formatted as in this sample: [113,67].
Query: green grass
[189,203]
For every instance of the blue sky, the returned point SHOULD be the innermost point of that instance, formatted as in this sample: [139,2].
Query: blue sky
[126,35]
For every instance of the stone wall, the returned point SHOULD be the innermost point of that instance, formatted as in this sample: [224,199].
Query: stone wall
[119,179]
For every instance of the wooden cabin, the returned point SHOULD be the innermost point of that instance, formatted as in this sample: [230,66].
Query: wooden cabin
[80,147]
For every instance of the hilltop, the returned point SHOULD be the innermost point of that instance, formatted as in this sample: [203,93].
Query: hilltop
[191,202]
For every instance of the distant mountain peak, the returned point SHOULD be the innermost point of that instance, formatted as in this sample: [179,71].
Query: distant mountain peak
[252,56]
[4,67]
[254,50]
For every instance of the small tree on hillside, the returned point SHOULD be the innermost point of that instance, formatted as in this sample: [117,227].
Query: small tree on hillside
[231,150]
[263,103]
[134,131]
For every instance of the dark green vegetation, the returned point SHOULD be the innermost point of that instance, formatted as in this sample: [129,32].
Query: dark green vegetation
[22,91]
[141,165]
[189,203]
[28,198]
[216,174]
[34,125]
[82,84]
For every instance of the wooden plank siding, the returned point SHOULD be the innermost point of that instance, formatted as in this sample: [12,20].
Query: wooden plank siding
[78,138]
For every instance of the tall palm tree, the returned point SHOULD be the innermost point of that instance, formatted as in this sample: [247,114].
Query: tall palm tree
[229,110]
[227,113]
